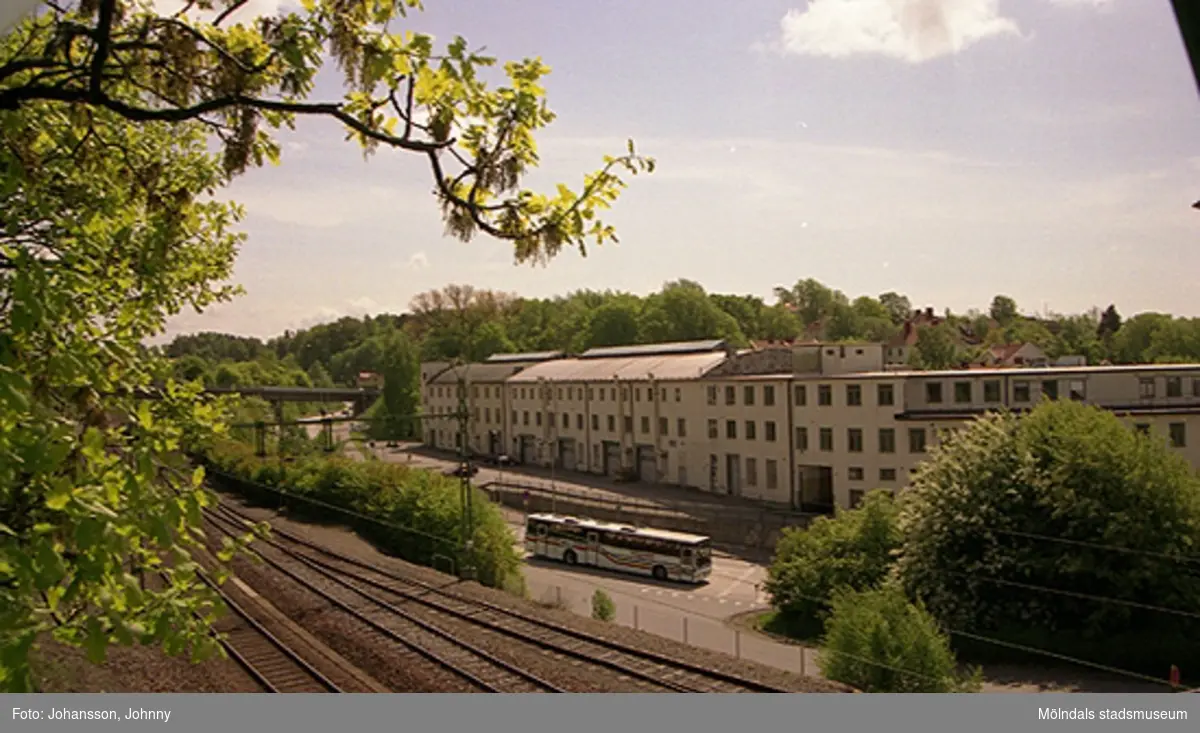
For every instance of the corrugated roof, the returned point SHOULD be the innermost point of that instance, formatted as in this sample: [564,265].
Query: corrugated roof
[1014,372]
[664,367]
[677,347]
[477,373]
[532,356]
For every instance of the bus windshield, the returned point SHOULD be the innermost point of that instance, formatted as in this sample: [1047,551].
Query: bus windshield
[703,555]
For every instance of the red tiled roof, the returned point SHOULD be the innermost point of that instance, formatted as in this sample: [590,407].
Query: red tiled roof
[1004,352]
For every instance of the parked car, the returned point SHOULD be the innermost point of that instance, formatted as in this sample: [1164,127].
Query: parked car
[463,470]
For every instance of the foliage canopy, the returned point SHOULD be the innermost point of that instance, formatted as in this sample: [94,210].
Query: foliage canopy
[243,76]
[876,641]
[1024,522]
[854,550]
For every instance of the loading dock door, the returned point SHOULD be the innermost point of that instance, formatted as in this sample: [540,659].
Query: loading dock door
[528,449]
[612,458]
[566,453]
[647,464]
[733,474]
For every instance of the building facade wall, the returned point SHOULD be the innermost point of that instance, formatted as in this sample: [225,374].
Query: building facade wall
[774,437]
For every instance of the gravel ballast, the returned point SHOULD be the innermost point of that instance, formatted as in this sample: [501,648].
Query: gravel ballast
[62,668]
[344,541]
[382,658]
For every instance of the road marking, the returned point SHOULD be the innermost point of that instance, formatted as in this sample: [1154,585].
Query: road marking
[674,595]
[741,579]
[720,600]
[645,590]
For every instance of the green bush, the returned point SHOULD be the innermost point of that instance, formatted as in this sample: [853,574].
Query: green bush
[603,608]
[876,641]
[419,511]
[1069,501]
[852,550]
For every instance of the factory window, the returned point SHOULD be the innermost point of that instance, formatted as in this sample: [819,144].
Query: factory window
[962,392]
[933,392]
[991,390]
[853,395]
[854,440]
[801,439]
[887,440]
[886,395]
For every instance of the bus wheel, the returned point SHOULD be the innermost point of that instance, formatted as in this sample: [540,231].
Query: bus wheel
[569,557]
[660,573]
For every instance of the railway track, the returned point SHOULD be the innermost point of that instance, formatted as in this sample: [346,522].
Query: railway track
[481,669]
[649,670]
[267,659]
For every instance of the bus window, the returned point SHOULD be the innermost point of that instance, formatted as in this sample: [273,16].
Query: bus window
[703,555]
[540,529]
[686,554]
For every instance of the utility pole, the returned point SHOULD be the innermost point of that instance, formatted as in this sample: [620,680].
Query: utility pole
[468,520]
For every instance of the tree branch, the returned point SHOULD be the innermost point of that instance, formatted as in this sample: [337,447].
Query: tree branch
[228,12]
[13,98]
[103,37]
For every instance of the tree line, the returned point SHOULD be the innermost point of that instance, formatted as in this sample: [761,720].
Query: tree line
[463,322]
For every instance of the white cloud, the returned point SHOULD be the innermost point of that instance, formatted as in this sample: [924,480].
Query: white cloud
[909,30]
[418,262]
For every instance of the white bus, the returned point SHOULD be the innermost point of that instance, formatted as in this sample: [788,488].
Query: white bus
[655,552]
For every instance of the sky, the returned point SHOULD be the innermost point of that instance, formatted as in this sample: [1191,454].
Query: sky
[949,150]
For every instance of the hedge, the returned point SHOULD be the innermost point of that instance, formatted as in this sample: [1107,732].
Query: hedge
[416,513]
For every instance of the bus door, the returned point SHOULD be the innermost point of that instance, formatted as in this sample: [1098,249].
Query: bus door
[592,554]
[687,558]
[535,538]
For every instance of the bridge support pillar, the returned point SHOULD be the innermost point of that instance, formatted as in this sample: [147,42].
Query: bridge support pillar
[327,434]
[260,439]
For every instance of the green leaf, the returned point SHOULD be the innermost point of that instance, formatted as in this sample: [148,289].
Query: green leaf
[58,498]
[13,388]
[96,642]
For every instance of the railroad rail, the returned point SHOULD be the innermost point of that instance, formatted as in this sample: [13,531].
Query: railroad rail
[270,662]
[480,668]
[649,669]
